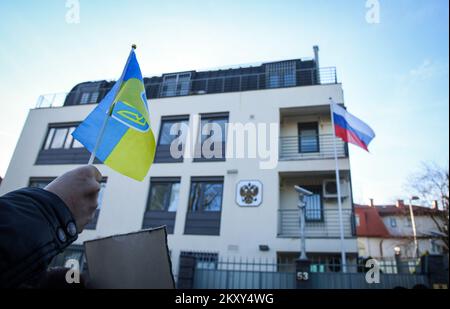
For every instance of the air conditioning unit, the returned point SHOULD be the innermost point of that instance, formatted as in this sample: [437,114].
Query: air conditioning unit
[330,188]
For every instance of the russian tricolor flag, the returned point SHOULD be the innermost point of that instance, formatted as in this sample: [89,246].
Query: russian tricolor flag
[351,129]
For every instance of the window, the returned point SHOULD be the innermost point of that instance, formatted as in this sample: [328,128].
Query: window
[75,252]
[357,220]
[40,182]
[213,132]
[205,205]
[308,137]
[60,137]
[164,196]
[92,225]
[393,222]
[59,147]
[314,207]
[162,203]
[203,260]
[94,97]
[175,84]
[89,97]
[206,195]
[171,129]
[281,74]
[84,97]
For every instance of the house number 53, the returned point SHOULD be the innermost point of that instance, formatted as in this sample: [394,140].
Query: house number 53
[302,275]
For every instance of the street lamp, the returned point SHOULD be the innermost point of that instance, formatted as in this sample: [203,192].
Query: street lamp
[413,223]
[302,205]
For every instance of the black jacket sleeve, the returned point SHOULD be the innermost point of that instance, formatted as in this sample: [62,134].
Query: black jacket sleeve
[35,225]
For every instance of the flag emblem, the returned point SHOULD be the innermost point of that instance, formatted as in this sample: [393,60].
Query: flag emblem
[118,131]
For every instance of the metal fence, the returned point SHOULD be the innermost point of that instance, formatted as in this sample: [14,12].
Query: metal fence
[182,84]
[327,226]
[314,147]
[237,273]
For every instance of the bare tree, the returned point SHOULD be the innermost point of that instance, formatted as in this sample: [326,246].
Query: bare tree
[431,183]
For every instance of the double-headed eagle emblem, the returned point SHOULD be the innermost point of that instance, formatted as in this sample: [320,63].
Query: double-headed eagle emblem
[248,193]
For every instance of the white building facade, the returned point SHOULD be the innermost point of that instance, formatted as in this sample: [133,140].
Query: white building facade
[203,201]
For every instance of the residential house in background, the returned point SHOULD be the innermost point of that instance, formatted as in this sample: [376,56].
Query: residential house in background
[213,208]
[384,229]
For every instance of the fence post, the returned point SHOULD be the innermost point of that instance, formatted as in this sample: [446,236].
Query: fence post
[303,274]
[186,272]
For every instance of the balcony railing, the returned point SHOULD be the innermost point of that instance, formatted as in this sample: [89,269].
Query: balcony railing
[183,86]
[311,147]
[327,227]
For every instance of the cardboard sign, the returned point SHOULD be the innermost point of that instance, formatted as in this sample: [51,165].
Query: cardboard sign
[137,260]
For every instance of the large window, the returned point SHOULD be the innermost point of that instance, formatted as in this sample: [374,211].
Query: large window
[281,74]
[42,182]
[59,147]
[60,137]
[206,195]
[162,203]
[164,195]
[212,137]
[308,137]
[205,205]
[314,207]
[171,129]
[176,84]
[203,260]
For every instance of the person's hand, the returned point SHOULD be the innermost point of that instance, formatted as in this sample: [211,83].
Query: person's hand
[79,190]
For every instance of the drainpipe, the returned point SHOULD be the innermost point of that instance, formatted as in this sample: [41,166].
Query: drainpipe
[381,248]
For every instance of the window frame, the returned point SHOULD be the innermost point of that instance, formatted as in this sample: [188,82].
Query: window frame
[205,180]
[91,225]
[280,70]
[55,127]
[393,222]
[202,257]
[199,157]
[316,190]
[163,180]
[308,126]
[177,91]
[160,156]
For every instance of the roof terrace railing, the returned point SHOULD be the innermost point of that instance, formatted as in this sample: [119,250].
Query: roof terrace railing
[181,84]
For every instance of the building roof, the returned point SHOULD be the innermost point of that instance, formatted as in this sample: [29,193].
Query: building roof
[370,222]
[401,209]
[370,217]
[303,72]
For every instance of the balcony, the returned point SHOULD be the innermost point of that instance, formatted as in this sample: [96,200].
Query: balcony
[327,227]
[312,147]
[185,84]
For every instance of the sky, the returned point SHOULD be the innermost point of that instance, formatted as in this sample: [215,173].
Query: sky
[394,71]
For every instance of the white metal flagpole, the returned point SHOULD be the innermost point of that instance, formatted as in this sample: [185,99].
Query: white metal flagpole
[338,186]
[109,112]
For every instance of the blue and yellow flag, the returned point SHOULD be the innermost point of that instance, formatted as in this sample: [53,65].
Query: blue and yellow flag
[127,143]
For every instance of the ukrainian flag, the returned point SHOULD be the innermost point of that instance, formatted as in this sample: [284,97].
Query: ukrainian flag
[118,130]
